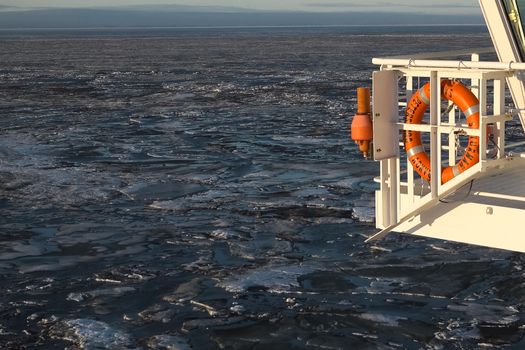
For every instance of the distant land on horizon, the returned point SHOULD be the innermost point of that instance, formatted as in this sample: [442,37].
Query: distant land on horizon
[198,16]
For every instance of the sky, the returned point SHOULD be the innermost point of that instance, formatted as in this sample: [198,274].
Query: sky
[426,6]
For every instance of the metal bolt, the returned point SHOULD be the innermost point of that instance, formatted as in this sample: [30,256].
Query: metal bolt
[490,211]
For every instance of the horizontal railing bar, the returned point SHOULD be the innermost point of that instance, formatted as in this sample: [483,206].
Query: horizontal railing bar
[489,119]
[493,163]
[443,128]
[418,63]
[515,144]
[499,196]
[454,73]
[445,54]
[415,127]
[443,147]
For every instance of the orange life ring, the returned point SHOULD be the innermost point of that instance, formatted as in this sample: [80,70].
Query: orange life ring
[462,97]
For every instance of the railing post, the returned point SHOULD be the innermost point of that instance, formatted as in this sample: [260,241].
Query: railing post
[451,136]
[499,109]
[482,114]
[410,170]
[394,170]
[435,150]
[385,193]
[474,83]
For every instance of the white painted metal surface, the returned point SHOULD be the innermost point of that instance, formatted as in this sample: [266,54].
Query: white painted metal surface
[506,48]
[490,213]
[434,210]
[485,205]
[459,65]
[385,112]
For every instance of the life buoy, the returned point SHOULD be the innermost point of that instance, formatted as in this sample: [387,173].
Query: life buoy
[462,97]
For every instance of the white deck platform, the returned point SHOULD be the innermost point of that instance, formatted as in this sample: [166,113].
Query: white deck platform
[491,213]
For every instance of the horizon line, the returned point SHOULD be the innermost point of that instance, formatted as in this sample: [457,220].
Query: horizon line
[209,9]
[256,27]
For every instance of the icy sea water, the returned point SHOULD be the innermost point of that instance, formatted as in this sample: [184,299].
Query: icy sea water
[197,190]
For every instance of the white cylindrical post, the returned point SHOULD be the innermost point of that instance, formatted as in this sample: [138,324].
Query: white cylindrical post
[435,177]
[499,109]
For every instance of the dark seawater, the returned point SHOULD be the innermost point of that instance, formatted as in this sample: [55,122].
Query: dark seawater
[197,190]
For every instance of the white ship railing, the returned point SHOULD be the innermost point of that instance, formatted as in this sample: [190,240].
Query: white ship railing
[402,195]
[459,64]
